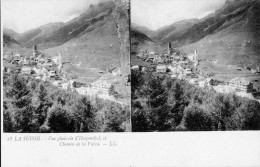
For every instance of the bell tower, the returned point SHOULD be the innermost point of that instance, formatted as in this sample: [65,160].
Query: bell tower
[169,48]
[35,50]
[59,61]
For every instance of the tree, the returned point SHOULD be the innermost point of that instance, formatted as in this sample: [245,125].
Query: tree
[136,80]
[7,121]
[112,92]
[252,115]
[42,104]
[19,103]
[177,102]
[115,118]
[139,121]
[60,120]
[195,119]
[83,115]
[222,110]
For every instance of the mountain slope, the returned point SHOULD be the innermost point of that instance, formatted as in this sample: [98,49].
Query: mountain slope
[91,40]
[139,36]
[230,36]
[8,40]
[80,25]
[10,32]
[11,45]
[38,35]
[167,33]
[55,34]
[142,29]
[140,41]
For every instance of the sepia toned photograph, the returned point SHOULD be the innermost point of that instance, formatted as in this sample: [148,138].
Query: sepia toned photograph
[195,65]
[66,66]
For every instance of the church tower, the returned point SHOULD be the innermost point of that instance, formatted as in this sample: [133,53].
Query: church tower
[35,50]
[169,48]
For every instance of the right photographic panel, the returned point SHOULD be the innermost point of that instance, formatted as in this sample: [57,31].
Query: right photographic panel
[195,65]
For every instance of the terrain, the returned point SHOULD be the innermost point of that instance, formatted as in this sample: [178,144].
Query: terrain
[140,41]
[10,32]
[11,45]
[142,29]
[229,36]
[38,35]
[90,39]
[161,103]
[175,30]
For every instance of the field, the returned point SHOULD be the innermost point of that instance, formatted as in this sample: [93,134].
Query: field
[91,52]
[225,72]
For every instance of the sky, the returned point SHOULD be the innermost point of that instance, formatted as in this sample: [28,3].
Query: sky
[155,14]
[23,15]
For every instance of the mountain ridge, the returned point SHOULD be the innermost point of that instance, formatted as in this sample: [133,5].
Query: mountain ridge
[142,29]
[164,34]
[89,40]
[230,35]
[55,34]
[10,32]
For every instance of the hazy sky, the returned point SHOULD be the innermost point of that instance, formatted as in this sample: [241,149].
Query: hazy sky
[157,13]
[23,15]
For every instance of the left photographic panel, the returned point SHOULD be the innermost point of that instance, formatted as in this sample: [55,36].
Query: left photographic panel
[66,66]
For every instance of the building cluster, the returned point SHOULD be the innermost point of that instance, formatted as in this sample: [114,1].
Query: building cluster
[101,86]
[38,65]
[50,69]
[181,66]
[173,62]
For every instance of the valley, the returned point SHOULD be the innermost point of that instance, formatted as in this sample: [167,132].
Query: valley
[225,45]
[197,74]
[76,73]
[87,49]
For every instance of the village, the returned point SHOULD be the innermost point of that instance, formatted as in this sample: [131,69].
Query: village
[50,69]
[181,66]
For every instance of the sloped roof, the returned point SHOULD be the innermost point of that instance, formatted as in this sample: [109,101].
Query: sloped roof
[242,80]
[161,67]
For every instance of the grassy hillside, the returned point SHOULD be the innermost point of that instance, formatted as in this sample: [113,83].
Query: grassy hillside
[90,40]
[167,33]
[140,41]
[230,37]
[92,49]
[10,32]
[93,18]
[38,35]
[8,40]
[142,29]
[11,45]
[55,34]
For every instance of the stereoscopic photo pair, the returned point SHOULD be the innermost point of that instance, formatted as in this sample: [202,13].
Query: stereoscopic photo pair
[130,66]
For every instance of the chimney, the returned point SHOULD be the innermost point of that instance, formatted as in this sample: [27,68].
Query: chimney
[59,61]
